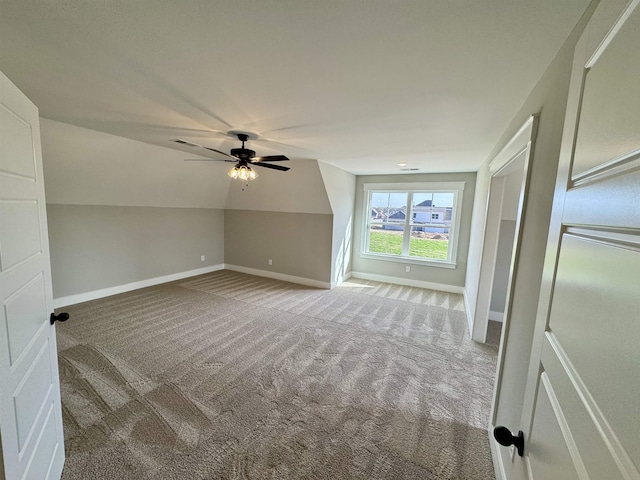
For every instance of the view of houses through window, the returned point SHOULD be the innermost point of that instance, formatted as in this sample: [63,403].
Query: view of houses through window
[410,224]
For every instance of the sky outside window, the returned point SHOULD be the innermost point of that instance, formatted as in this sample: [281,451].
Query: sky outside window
[388,199]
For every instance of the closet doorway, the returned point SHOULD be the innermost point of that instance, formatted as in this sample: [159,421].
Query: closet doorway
[507,194]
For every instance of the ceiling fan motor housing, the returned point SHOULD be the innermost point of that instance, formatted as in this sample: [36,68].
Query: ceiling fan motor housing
[243,153]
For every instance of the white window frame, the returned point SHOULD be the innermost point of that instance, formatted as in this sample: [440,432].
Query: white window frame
[457,188]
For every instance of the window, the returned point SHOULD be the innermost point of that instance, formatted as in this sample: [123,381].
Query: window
[416,223]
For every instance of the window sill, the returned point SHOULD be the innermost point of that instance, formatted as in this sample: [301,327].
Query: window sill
[411,260]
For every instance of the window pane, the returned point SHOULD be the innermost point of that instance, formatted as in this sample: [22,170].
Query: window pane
[386,239]
[421,207]
[433,209]
[423,220]
[388,207]
[429,242]
[443,200]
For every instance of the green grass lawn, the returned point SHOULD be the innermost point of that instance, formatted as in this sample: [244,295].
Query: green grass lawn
[386,242]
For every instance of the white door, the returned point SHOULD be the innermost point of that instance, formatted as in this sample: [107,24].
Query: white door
[30,412]
[581,418]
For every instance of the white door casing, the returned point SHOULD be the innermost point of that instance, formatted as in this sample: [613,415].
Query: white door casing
[30,410]
[581,414]
[515,155]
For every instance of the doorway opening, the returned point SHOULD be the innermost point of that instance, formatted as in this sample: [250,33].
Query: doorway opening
[507,194]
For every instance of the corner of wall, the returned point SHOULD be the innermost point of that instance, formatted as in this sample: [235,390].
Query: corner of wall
[468,310]
[340,280]
[340,186]
[476,240]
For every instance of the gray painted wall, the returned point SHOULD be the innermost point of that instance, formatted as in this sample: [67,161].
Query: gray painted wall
[549,98]
[298,243]
[506,236]
[113,217]
[94,247]
[511,195]
[503,262]
[446,276]
[113,213]
[285,216]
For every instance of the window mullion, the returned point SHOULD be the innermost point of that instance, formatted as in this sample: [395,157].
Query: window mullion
[406,238]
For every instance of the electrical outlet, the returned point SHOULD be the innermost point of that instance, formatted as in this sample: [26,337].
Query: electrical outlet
[202,258]
[407,268]
[270,262]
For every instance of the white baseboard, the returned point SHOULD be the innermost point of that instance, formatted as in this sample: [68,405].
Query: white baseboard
[343,278]
[279,276]
[496,316]
[442,287]
[468,311]
[127,287]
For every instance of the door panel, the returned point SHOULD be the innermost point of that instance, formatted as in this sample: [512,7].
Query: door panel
[595,318]
[17,156]
[47,445]
[550,455]
[611,105]
[615,210]
[30,411]
[581,420]
[23,313]
[36,384]
[20,236]
[582,410]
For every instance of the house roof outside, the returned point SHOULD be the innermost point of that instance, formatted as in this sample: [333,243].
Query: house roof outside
[399,215]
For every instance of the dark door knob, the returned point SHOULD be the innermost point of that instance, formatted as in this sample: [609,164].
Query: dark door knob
[505,438]
[62,317]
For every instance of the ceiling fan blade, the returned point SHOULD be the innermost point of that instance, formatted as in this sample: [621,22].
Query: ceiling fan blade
[269,158]
[221,153]
[268,165]
[210,160]
[192,144]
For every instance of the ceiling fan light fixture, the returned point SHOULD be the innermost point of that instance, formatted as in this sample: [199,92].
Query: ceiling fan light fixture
[245,158]
[243,173]
[234,172]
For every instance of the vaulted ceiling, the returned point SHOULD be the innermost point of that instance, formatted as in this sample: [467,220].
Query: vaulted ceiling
[360,84]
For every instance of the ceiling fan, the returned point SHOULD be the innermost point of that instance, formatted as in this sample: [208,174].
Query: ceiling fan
[244,158]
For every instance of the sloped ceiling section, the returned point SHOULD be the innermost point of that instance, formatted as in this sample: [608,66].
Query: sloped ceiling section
[85,167]
[340,186]
[300,190]
[362,85]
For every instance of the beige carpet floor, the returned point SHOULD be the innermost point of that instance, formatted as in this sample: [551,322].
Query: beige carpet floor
[231,376]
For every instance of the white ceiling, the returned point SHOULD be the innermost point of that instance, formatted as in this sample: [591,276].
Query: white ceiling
[360,84]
